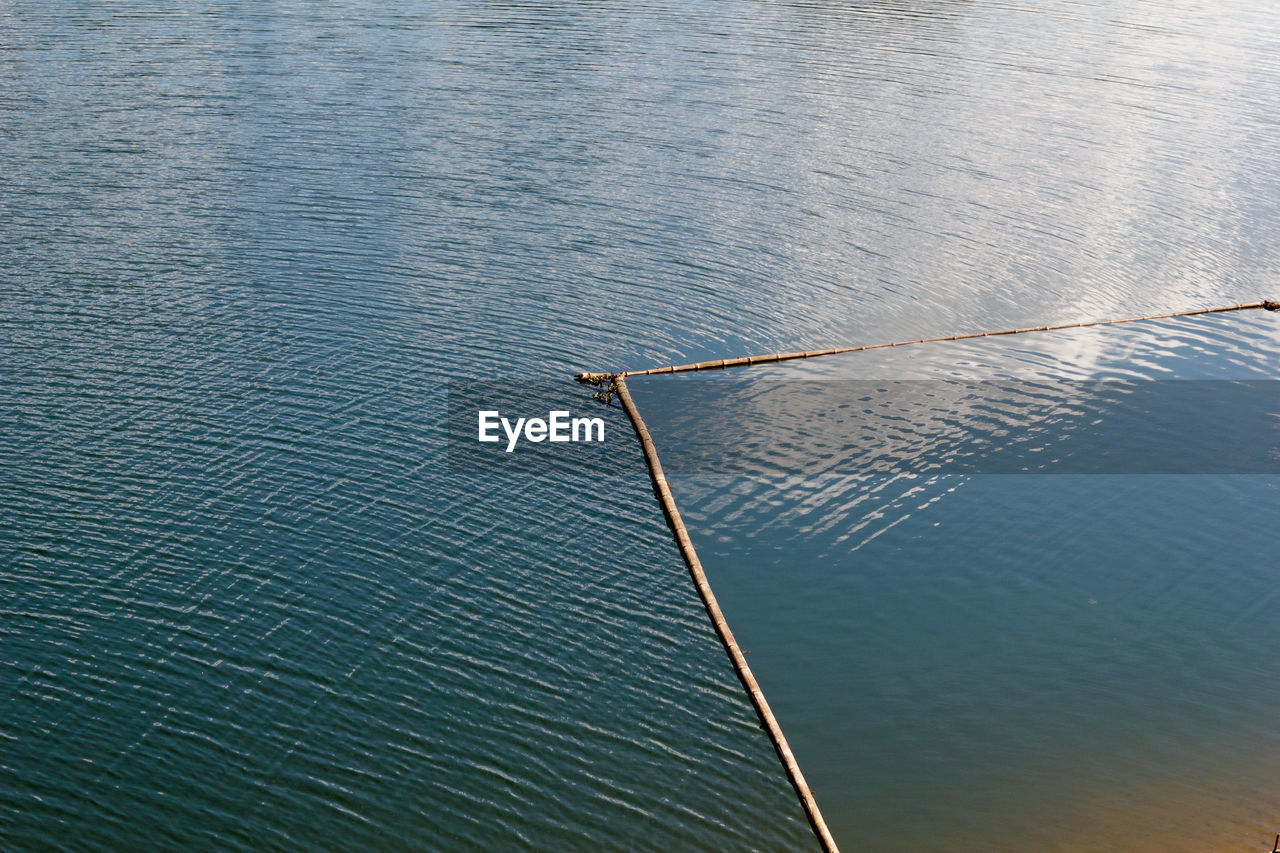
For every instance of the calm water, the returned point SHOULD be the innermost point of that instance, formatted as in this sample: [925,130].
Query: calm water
[244,246]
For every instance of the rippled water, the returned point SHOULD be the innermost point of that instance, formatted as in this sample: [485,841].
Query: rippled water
[244,247]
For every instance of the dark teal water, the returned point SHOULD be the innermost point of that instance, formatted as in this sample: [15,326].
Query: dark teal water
[243,604]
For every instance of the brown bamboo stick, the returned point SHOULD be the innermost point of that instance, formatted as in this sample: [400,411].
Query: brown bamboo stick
[739,660]
[742,361]
[663,490]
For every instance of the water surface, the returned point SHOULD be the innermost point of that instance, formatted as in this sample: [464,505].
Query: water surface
[244,247]
[1057,661]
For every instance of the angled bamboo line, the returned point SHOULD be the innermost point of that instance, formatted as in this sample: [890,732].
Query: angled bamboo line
[745,361]
[739,660]
[662,489]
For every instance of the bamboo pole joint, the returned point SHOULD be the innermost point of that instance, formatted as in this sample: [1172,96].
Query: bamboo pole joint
[615,384]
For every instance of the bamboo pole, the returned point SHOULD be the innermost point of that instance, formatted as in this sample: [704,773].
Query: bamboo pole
[739,660]
[663,491]
[744,361]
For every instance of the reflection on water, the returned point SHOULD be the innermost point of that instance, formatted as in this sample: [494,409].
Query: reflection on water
[809,429]
[245,245]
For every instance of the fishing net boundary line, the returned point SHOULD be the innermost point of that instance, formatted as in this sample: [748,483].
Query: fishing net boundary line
[618,382]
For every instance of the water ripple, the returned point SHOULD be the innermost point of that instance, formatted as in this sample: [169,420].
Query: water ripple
[244,604]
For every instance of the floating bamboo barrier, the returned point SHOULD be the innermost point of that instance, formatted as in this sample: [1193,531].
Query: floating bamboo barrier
[739,660]
[663,491]
[745,361]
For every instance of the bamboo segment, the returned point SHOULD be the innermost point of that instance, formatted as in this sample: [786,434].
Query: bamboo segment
[739,660]
[618,381]
[788,356]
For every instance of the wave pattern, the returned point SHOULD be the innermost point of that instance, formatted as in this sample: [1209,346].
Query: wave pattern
[245,245]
